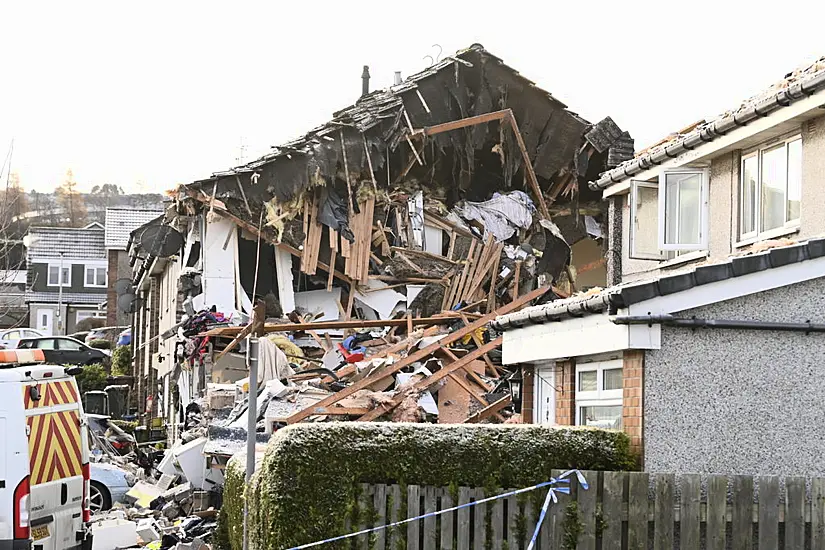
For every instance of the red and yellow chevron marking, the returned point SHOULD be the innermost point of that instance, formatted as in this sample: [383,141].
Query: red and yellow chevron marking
[60,392]
[54,446]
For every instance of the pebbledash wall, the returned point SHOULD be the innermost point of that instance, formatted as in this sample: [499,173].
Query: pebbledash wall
[739,401]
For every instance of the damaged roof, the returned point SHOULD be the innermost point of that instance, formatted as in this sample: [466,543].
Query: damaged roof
[795,86]
[624,295]
[470,83]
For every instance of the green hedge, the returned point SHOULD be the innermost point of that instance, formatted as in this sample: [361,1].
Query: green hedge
[229,533]
[306,486]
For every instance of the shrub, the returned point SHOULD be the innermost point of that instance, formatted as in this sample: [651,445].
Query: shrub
[307,481]
[229,533]
[92,378]
[100,344]
[89,323]
[122,361]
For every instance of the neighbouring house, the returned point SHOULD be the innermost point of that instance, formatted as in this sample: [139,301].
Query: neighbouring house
[13,310]
[67,276]
[120,222]
[708,348]
[381,211]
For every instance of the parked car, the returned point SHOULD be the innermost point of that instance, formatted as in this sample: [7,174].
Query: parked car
[62,350]
[125,337]
[103,426]
[10,337]
[79,335]
[108,485]
[104,333]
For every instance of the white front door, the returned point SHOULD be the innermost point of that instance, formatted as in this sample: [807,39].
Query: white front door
[545,395]
[45,321]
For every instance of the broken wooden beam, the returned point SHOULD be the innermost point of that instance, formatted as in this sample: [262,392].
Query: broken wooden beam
[333,325]
[491,410]
[419,354]
[430,381]
[465,122]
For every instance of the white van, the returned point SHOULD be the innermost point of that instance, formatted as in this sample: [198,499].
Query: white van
[44,456]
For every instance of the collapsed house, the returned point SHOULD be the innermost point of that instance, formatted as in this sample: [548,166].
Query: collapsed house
[397,230]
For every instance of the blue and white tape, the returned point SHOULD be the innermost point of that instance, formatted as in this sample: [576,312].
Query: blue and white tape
[551,496]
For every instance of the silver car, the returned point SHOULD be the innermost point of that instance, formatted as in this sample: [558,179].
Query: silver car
[109,484]
[10,337]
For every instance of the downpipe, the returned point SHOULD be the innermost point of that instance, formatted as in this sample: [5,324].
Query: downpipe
[694,322]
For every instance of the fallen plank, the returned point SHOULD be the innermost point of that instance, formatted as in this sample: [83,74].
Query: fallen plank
[420,354]
[332,325]
[432,380]
[528,167]
[493,409]
[465,122]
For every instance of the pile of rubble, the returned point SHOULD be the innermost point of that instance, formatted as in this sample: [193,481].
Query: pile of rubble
[445,368]
[172,503]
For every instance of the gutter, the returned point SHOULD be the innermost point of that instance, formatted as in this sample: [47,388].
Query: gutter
[711,131]
[693,322]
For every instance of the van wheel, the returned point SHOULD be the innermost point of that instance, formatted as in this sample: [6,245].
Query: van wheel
[99,498]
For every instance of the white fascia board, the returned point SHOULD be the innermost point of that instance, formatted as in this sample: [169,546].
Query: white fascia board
[729,289]
[731,140]
[575,337]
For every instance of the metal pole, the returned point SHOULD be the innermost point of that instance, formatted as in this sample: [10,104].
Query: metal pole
[60,297]
[251,425]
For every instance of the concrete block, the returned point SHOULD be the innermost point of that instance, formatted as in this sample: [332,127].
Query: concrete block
[148,530]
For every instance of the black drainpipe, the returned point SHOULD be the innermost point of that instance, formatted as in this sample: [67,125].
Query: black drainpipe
[693,322]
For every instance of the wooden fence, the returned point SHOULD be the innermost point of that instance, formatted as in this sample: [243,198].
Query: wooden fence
[619,511]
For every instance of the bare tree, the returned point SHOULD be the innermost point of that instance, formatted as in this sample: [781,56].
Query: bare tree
[71,201]
[13,226]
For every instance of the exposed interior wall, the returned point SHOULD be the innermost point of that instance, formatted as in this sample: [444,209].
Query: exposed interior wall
[168,310]
[736,401]
[219,264]
[587,253]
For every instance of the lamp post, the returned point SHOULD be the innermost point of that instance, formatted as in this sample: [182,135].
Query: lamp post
[515,389]
[60,297]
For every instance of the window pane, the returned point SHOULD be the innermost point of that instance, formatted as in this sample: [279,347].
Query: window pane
[645,221]
[747,221]
[69,345]
[794,179]
[588,380]
[773,188]
[609,417]
[612,379]
[683,208]
[90,276]
[53,274]
[65,275]
[101,276]
[46,344]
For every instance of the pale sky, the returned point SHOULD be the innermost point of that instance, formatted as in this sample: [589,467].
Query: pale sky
[165,92]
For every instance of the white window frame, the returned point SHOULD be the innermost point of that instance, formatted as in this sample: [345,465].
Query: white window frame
[758,234]
[600,397]
[87,314]
[634,193]
[703,210]
[93,268]
[67,269]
